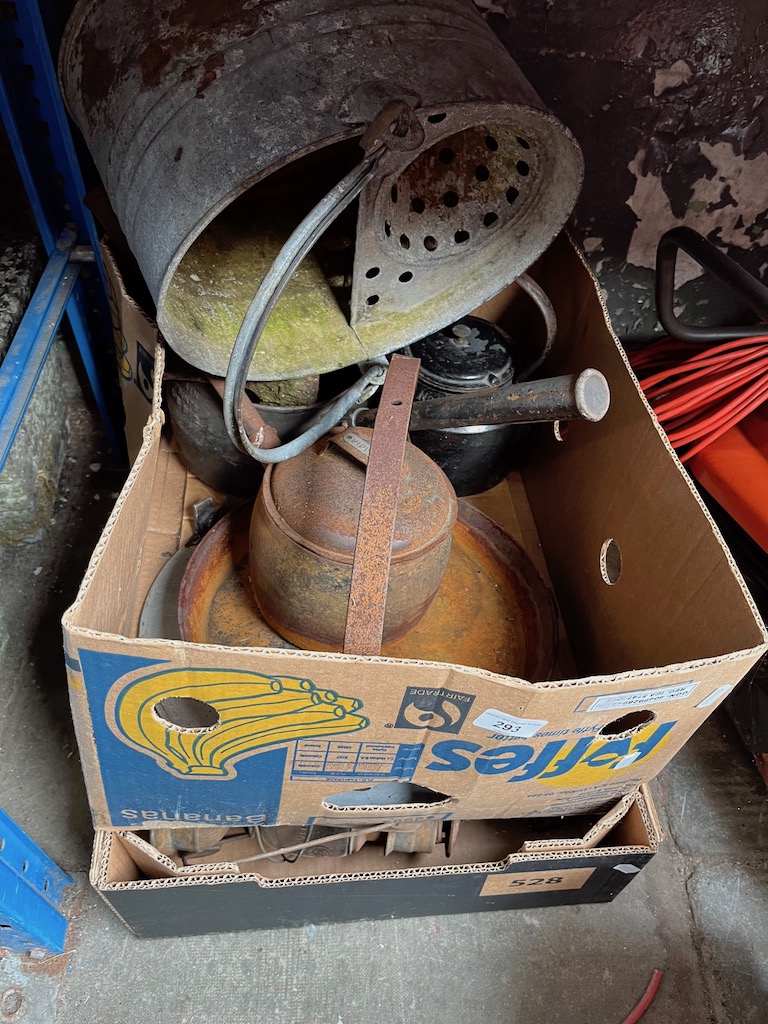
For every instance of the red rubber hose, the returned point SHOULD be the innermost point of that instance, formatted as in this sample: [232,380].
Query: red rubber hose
[648,996]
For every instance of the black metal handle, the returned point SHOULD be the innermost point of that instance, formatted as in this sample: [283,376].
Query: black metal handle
[752,293]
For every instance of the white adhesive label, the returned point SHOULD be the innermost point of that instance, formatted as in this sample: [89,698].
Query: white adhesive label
[508,725]
[641,698]
[626,869]
[625,762]
[715,696]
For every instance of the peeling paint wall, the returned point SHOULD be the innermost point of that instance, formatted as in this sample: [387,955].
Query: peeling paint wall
[668,100]
[727,207]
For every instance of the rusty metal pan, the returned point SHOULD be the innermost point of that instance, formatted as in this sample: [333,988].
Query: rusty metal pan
[492,611]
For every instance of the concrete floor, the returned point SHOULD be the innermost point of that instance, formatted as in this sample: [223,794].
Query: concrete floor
[698,911]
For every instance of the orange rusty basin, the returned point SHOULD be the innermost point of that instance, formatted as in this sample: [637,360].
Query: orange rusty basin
[492,610]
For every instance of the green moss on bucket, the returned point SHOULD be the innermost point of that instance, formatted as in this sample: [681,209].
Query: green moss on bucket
[214,285]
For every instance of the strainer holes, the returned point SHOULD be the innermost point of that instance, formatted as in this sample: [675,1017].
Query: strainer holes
[418,205]
[523,142]
[491,143]
[436,118]
[522,168]
[372,300]
[482,173]
[451,199]
[512,194]
[460,237]
[446,155]
[372,272]
[387,228]
[405,241]
[393,193]
[430,243]
[405,277]
[490,219]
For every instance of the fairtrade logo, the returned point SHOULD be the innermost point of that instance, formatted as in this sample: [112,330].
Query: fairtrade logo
[123,362]
[145,372]
[198,723]
[437,710]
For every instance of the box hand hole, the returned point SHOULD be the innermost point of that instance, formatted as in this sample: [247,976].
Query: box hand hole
[610,562]
[630,723]
[385,794]
[186,714]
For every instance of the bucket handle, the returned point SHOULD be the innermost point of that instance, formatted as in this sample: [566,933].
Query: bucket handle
[395,127]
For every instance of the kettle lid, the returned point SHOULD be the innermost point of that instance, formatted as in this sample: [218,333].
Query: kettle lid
[467,355]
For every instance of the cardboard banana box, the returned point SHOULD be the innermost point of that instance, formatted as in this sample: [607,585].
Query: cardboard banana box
[657,628]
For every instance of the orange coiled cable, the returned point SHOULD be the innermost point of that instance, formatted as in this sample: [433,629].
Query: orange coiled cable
[698,394]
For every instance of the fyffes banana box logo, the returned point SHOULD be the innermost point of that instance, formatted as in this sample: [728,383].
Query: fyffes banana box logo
[564,762]
[197,723]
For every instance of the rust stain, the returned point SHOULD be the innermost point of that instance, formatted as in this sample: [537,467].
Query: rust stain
[154,60]
[206,16]
[191,28]
[98,71]
[211,66]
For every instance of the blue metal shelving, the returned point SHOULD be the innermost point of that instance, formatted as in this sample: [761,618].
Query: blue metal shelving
[31,889]
[72,285]
[36,123]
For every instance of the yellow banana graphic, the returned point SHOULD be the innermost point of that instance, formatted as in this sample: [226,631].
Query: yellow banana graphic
[199,722]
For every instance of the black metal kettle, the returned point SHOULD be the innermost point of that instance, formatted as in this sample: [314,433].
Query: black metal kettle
[471,355]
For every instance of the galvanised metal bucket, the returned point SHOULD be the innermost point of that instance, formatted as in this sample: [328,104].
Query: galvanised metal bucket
[205,117]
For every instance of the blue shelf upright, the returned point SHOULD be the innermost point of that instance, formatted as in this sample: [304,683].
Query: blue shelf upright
[31,889]
[38,130]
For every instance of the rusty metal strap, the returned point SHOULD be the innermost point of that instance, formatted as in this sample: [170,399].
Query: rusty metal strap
[259,432]
[373,549]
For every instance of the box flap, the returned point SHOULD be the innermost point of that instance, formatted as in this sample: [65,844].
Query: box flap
[628,497]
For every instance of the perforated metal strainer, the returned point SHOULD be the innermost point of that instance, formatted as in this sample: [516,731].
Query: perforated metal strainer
[445,230]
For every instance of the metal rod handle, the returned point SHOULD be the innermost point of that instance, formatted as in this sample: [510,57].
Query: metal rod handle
[583,396]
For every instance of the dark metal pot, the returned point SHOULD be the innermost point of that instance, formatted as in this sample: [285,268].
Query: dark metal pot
[196,416]
[302,543]
[470,355]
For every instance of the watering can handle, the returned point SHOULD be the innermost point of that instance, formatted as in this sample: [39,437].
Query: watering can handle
[394,127]
[373,546]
